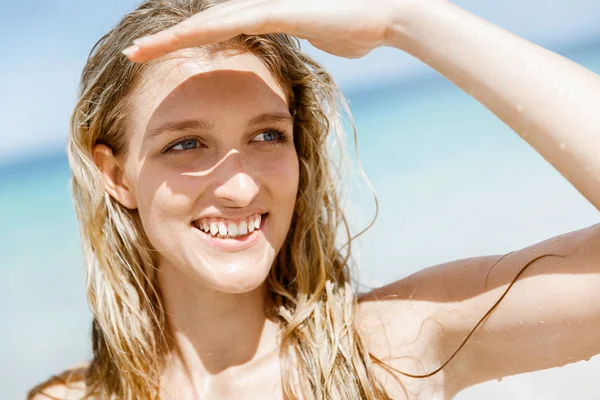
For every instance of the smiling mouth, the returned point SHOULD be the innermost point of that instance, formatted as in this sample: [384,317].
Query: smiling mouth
[220,228]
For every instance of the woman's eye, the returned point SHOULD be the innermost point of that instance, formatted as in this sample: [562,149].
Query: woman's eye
[187,144]
[267,136]
[271,137]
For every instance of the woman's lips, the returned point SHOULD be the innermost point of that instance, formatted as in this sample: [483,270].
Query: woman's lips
[234,244]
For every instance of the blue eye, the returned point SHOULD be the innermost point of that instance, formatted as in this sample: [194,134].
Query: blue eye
[271,137]
[186,145]
[267,136]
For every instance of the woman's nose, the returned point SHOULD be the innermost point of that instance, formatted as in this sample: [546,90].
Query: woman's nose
[239,188]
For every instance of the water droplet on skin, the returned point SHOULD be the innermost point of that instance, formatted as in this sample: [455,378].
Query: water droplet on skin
[519,108]
[562,145]
[520,323]
[542,321]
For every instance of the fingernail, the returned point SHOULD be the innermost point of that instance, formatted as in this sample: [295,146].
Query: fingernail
[131,50]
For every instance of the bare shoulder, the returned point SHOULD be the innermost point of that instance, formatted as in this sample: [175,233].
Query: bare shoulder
[68,385]
[402,331]
[430,315]
[405,311]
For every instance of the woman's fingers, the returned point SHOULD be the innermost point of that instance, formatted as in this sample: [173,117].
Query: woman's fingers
[347,28]
[214,25]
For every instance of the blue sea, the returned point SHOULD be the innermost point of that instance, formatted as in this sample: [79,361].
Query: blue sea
[452,180]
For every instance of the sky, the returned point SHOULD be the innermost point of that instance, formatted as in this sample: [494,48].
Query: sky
[48,41]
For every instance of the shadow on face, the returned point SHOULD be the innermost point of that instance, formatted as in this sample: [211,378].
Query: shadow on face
[213,140]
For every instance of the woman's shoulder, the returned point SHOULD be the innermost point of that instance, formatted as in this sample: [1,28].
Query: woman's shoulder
[402,333]
[68,385]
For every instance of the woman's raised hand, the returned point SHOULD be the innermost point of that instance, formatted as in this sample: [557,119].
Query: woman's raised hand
[347,28]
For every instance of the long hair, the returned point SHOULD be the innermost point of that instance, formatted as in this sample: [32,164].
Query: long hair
[322,355]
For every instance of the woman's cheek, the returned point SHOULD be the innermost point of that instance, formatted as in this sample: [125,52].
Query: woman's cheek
[284,170]
[167,198]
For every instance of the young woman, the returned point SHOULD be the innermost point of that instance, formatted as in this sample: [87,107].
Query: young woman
[209,212]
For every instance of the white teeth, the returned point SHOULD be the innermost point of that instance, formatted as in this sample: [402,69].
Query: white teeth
[232,229]
[222,228]
[243,228]
[257,222]
[215,226]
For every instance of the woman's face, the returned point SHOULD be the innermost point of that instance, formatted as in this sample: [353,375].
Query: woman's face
[211,167]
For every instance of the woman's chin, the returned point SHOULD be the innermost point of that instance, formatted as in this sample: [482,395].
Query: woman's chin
[238,276]
[238,286]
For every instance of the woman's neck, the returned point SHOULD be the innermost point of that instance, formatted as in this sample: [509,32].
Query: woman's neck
[213,336]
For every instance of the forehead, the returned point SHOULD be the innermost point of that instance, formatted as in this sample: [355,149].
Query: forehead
[187,84]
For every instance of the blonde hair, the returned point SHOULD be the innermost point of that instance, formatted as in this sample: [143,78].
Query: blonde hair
[309,286]
[309,283]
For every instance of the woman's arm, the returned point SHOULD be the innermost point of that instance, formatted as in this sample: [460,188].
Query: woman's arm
[550,101]
[549,317]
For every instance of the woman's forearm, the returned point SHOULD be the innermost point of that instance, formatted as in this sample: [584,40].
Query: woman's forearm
[550,101]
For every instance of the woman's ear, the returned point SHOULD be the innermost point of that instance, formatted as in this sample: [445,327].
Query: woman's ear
[115,181]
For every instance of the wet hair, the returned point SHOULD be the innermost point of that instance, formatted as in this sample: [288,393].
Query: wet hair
[309,285]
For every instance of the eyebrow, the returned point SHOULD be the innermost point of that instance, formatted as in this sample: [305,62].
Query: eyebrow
[202,124]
